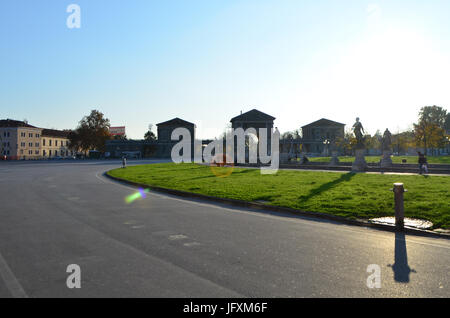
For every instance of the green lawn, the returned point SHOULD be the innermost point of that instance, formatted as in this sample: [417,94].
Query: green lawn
[343,194]
[395,159]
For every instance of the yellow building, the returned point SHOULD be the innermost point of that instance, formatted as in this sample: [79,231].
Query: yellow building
[55,143]
[19,140]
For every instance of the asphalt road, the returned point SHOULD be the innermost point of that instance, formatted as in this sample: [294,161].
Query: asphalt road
[53,214]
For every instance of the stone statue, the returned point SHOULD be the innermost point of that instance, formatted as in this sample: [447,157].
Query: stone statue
[386,143]
[387,140]
[358,130]
[360,163]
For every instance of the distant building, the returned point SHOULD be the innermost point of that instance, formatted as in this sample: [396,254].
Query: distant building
[316,133]
[55,143]
[161,148]
[165,142]
[19,140]
[22,141]
[254,119]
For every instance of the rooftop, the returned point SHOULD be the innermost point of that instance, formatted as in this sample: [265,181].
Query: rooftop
[14,123]
[55,133]
[175,121]
[253,115]
[324,123]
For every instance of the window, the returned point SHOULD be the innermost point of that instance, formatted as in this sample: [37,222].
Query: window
[37,135]
[50,153]
[56,143]
[56,152]
[36,152]
[37,144]
[43,142]
[30,135]
[50,142]
[30,144]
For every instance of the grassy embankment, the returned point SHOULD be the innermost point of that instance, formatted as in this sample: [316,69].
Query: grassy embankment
[344,194]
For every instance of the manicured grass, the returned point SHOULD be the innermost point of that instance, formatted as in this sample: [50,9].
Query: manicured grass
[345,194]
[395,159]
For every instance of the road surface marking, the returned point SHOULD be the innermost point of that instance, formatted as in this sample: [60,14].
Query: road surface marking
[10,280]
[177,237]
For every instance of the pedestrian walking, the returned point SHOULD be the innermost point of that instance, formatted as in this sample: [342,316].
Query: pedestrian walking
[124,162]
[423,164]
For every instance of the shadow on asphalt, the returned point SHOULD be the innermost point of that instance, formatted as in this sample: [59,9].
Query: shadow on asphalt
[401,268]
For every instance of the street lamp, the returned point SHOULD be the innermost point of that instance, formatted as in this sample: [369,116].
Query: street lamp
[326,142]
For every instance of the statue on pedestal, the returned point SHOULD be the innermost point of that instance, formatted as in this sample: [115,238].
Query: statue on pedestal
[358,130]
[360,163]
[387,140]
[386,148]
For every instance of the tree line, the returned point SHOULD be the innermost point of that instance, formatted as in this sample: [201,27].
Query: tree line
[92,133]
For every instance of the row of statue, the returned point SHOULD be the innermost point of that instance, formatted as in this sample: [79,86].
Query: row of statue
[359,132]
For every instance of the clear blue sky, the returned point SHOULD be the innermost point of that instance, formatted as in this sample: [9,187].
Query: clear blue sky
[145,61]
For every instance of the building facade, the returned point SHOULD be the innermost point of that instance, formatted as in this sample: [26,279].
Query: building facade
[55,143]
[317,136]
[19,140]
[22,141]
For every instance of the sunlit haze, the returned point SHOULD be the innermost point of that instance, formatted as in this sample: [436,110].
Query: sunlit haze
[142,62]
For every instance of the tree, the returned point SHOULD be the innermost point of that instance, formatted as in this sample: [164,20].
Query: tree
[447,124]
[91,133]
[346,143]
[374,142]
[150,135]
[430,130]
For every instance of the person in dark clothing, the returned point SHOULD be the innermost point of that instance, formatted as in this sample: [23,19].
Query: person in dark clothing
[423,164]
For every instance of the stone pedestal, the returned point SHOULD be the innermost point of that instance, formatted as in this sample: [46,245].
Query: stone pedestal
[360,164]
[334,159]
[386,162]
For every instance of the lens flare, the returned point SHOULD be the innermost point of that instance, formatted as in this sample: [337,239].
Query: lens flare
[133,197]
[224,168]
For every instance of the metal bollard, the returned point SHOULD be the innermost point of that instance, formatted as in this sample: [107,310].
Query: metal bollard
[399,206]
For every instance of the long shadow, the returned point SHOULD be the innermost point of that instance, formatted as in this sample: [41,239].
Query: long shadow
[401,268]
[326,186]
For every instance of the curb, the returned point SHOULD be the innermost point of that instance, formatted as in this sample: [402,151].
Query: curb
[272,208]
